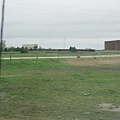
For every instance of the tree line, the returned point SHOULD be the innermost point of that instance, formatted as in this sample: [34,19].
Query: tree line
[25,50]
[17,49]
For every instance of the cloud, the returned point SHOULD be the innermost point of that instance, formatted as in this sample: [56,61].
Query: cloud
[62,19]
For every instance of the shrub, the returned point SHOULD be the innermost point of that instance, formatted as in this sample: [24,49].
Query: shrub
[72,49]
[24,50]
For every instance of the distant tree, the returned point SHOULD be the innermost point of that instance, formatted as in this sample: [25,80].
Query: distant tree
[6,50]
[24,50]
[17,49]
[31,49]
[12,49]
[72,49]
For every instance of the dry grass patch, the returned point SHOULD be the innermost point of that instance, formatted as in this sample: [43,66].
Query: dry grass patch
[93,61]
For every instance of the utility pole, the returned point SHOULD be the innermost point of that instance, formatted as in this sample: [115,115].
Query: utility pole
[63,43]
[1,37]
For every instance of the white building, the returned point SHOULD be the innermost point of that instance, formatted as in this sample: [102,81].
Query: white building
[30,46]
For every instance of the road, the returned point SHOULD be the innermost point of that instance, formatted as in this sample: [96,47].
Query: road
[40,57]
[95,56]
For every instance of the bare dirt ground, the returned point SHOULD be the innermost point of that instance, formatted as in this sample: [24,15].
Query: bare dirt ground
[109,107]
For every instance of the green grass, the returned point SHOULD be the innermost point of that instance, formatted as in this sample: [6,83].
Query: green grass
[58,53]
[52,89]
[47,54]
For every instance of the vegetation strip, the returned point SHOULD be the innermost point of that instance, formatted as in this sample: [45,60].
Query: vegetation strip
[60,89]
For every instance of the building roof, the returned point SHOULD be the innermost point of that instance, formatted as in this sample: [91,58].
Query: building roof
[113,41]
[29,46]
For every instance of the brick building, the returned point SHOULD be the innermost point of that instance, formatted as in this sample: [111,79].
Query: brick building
[112,45]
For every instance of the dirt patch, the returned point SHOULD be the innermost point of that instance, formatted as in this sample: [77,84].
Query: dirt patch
[109,107]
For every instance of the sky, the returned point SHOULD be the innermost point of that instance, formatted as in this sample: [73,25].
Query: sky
[61,23]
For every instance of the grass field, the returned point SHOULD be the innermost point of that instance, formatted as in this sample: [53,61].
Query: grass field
[60,89]
[58,53]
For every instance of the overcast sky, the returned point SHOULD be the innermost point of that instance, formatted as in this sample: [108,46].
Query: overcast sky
[77,21]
